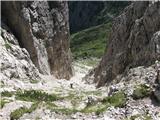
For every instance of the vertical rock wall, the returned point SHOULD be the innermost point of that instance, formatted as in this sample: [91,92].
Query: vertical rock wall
[42,28]
[134,41]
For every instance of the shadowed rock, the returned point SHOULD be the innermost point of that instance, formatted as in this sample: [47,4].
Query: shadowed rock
[134,41]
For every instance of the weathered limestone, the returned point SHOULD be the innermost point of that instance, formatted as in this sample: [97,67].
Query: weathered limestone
[134,41]
[42,28]
[15,62]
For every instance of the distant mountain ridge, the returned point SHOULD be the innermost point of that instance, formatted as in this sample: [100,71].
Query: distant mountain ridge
[84,14]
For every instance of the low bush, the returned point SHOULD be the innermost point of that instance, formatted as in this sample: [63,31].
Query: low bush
[141,91]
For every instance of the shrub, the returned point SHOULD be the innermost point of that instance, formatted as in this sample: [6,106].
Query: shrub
[7,45]
[18,113]
[6,94]
[141,91]
[2,103]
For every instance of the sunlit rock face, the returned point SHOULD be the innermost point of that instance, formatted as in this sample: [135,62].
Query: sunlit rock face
[15,62]
[42,28]
[134,41]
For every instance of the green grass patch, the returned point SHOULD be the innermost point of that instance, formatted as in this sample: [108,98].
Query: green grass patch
[15,115]
[75,98]
[34,81]
[58,109]
[141,91]
[97,108]
[140,117]
[90,42]
[21,111]
[35,95]
[147,117]
[7,45]
[3,102]
[6,94]
[118,99]
[2,84]
[50,105]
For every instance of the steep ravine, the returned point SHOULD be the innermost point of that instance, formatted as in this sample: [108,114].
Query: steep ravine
[35,62]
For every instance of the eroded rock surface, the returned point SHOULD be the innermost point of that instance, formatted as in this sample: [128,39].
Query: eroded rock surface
[15,62]
[42,28]
[134,41]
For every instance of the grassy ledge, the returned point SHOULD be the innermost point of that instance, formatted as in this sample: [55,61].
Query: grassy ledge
[35,95]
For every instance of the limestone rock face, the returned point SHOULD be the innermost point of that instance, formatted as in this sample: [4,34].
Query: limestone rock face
[15,62]
[134,41]
[42,28]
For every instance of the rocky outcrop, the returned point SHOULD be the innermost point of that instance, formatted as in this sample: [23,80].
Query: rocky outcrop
[134,41]
[15,62]
[42,28]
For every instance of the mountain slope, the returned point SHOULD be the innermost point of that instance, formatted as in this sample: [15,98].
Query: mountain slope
[90,42]
[85,14]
